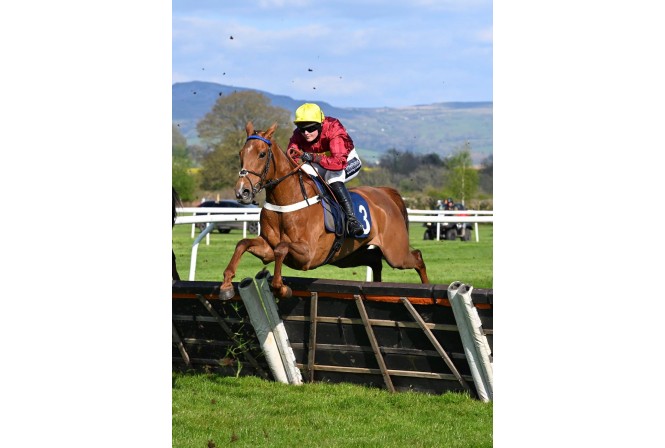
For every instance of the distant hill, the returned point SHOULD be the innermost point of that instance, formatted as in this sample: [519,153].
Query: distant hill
[439,127]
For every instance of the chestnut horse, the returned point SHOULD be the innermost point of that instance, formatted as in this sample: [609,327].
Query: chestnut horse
[296,236]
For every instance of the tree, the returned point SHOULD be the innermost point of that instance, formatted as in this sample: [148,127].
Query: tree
[178,141]
[462,177]
[222,130]
[408,163]
[220,168]
[181,179]
[390,160]
[196,153]
[226,122]
[432,159]
[410,172]
[487,174]
[183,182]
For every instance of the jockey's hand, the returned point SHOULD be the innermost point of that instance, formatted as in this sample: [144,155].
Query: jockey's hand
[309,157]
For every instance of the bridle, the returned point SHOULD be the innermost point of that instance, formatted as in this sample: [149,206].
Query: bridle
[262,183]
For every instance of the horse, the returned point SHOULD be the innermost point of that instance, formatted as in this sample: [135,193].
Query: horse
[296,235]
[176,203]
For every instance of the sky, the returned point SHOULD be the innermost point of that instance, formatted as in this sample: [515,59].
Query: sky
[348,53]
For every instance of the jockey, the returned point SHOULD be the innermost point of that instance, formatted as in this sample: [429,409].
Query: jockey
[325,144]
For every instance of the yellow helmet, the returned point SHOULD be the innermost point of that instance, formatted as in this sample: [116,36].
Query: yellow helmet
[309,112]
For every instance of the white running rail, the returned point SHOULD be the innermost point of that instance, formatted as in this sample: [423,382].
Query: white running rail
[226,214]
[451,216]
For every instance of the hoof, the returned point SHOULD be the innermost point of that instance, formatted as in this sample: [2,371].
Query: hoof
[284,292]
[226,294]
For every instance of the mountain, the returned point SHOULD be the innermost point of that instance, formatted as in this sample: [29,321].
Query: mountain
[437,128]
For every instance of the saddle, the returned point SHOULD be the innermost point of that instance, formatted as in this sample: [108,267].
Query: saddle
[334,218]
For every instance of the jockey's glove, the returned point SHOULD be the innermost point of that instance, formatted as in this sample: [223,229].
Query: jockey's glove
[309,157]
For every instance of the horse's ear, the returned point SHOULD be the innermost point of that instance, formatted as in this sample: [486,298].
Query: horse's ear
[271,130]
[249,128]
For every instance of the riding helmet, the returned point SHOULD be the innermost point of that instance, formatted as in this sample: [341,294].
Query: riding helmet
[309,112]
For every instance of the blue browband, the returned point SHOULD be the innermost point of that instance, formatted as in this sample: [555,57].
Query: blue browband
[258,137]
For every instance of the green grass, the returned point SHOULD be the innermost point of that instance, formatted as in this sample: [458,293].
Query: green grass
[214,411]
[470,262]
[218,411]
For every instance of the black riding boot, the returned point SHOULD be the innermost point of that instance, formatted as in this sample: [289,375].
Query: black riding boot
[353,227]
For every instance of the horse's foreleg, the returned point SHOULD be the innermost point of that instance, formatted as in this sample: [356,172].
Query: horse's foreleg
[257,247]
[300,253]
[277,285]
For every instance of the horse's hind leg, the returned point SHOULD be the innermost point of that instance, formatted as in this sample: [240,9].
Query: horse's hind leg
[420,265]
[375,263]
[372,258]
[409,260]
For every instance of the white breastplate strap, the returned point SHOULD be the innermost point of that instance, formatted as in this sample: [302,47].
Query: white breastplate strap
[293,207]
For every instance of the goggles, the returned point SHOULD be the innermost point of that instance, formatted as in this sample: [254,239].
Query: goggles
[309,128]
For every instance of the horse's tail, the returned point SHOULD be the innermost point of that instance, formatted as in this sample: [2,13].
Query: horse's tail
[176,203]
[397,198]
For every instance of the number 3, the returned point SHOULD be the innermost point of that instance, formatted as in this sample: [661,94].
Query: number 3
[362,211]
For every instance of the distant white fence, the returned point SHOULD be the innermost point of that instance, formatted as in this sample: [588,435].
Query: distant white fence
[451,216]
[232,214]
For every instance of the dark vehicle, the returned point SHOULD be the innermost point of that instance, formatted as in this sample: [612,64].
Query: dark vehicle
[225,227]
[450,230]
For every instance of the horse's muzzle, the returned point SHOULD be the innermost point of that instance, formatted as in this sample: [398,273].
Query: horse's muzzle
[243,190]
[245,195]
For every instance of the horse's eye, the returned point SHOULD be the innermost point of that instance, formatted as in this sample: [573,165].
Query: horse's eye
[262,155]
